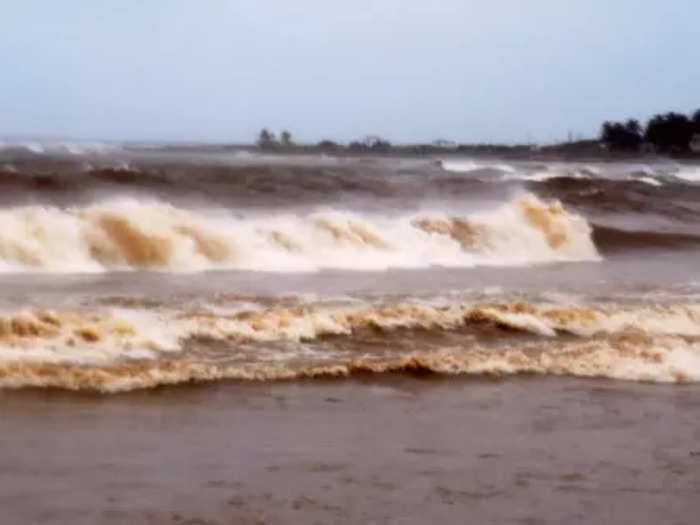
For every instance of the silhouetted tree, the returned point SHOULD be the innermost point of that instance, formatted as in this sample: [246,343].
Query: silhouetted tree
[622,136]
[376,143]
[634,127]
[286,138]
[670,132]
[696,122]
[327,144]
[266,139]
[381,145]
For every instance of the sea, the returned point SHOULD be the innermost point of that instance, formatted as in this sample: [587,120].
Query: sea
[134,266]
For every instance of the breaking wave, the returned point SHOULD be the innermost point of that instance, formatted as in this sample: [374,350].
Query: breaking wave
[39,147]
[688,173]
[130,234]
[471,166]
[122,350]
[632,195]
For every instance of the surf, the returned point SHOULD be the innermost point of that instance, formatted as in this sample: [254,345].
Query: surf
[131,234]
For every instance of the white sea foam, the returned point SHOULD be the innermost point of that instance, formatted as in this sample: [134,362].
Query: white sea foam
[82,148]
[688,173]
[51,146]
[31,146]
[467,165]
[550,173]
[651,181]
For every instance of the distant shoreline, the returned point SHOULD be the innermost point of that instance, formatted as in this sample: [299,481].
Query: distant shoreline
[583,151]
[561,153]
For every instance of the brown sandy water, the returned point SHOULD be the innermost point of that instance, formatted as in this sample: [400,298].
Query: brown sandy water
[399,450]
[366,301]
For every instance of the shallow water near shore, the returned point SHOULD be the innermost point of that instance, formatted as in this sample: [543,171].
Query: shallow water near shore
[391,450]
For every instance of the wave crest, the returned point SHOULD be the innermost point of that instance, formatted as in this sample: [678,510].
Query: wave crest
[125,349]
[625,356]
[135,235]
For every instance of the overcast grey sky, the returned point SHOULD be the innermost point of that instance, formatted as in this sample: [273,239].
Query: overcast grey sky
[215,70]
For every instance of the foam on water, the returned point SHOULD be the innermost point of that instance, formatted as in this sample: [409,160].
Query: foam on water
[648,180]
[113,350]
[544,175]
[290,214]
[467,165]
[688,173]
[40,147]
[130,234]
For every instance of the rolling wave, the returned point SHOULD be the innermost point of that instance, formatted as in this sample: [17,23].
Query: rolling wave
[129,234]
[120,350]
[630,195]
[689,173]
[97,210]
[614,240]
[70,183]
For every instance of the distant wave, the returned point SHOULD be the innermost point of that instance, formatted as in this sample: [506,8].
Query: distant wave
[39,147]
[466,166]
[653,176]
[637,193]
[78,181]
[689,173]
[648,180]
[614,240]
[131,234]
[261,185]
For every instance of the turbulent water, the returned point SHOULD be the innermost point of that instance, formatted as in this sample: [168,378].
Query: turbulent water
[128,267]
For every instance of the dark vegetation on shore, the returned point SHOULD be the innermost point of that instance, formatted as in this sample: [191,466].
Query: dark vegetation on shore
[673,134]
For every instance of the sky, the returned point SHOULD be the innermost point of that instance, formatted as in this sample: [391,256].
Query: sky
[408,70]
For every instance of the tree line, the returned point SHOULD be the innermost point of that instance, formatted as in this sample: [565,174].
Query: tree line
[666,133]
[268,140]
[670,133]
